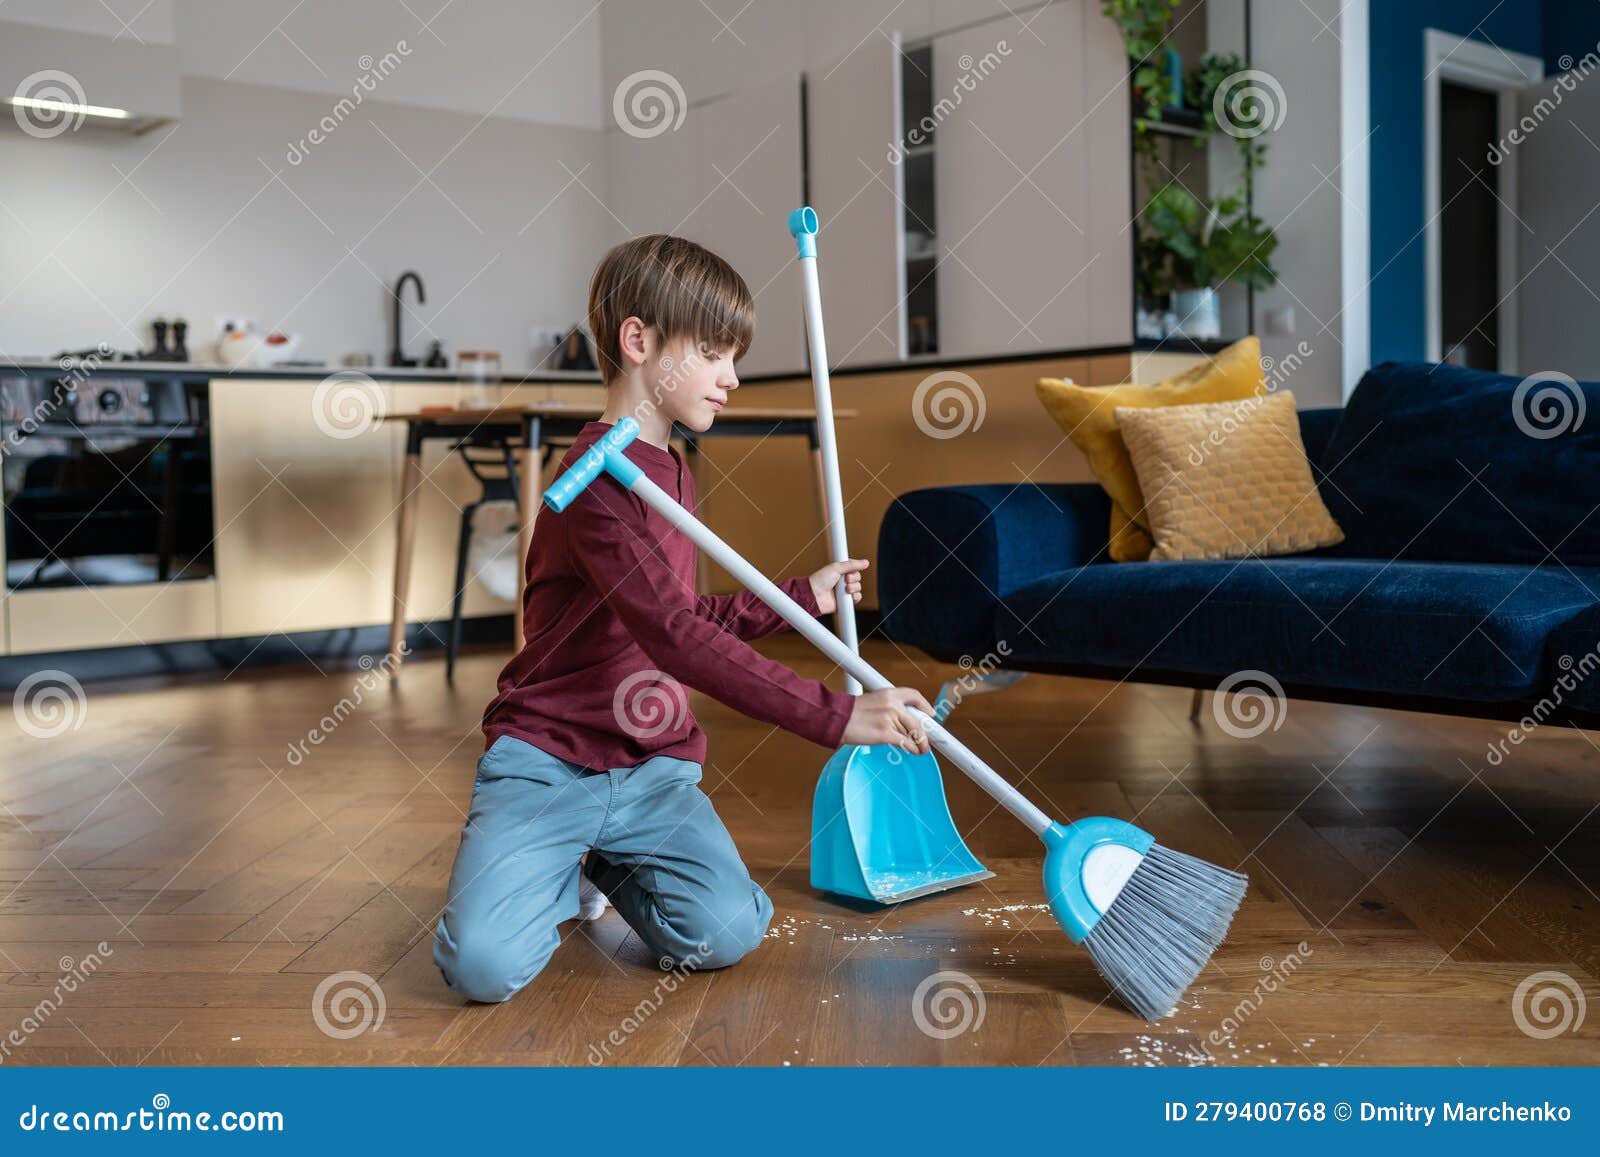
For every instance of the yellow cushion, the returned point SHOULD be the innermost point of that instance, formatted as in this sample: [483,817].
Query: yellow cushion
[1087,414]
[1226,480]
[1129,541]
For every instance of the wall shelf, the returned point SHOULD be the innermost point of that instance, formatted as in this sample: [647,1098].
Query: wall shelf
[1174,122]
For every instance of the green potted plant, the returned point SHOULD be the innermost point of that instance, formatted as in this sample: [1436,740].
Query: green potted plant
[1143,24]
[1188,248]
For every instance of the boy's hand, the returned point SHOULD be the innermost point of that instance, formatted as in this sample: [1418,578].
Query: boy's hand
[879,717]
[826,579]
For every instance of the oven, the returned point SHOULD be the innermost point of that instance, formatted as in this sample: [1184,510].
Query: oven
[106,477]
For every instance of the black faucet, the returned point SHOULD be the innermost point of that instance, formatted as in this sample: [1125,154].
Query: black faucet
[397,352]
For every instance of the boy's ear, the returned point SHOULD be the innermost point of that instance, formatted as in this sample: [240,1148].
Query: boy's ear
[634,340]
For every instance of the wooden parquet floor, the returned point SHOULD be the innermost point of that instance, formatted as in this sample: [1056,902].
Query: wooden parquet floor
[1402,890]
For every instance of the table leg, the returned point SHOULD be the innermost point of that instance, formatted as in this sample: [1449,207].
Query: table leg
[405,541]
[530,478]
[702,580]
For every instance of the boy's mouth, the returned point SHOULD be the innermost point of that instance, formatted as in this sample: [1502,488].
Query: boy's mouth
[717,403]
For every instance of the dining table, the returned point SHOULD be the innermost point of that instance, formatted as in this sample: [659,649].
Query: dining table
[527,433]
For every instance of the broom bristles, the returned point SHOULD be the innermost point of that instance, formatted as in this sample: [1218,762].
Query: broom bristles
[1163,928]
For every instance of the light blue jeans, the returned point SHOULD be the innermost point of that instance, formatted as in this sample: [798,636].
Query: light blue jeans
[656,848]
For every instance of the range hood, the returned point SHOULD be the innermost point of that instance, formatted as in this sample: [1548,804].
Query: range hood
[55,83]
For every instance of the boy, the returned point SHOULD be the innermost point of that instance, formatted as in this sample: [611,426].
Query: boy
[593,758]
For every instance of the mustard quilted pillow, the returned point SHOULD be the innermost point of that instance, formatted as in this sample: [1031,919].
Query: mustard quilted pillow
[1226,480]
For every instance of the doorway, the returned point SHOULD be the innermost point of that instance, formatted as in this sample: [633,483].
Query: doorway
[1469,225]
[1469,94]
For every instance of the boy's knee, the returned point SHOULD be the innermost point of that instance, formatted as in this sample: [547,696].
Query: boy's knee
[720,931]
[481,967]
[722,948]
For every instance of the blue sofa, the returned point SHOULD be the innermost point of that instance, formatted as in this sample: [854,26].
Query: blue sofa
[1468,581]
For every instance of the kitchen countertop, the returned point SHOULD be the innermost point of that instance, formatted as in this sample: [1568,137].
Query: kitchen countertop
[203,371]
[199,371]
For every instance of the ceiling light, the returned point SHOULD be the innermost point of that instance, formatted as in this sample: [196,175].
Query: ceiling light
[62,106]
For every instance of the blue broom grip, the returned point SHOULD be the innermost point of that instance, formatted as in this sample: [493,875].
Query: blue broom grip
[605,456]
[803,228]
[1068,847]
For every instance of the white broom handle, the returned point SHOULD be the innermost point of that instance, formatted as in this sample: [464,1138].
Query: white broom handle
[833,499]
[820,637]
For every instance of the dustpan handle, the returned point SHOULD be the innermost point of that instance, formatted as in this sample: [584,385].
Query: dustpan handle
[795,615]
[803,227]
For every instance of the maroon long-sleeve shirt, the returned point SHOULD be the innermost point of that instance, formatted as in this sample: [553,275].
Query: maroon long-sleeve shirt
[614,633]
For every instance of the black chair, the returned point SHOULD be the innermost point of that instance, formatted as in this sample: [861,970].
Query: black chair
[492,459]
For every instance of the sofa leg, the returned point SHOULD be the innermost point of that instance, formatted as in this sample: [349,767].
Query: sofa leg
[1196,702]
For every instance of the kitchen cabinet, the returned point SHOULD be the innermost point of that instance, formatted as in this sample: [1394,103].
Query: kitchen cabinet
[306,519]
[1107,156]
[655,180]
[753,140]
[853,119]
[79,618]
[1029,164]
[1159,365]
[305,540]
[727,178]
[300,523]
[1032,185]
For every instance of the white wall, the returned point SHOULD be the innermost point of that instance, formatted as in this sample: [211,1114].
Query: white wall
[1289,42]
[723,45]
[147,21]
[1557,174]
[212,219]
[1291,194]
[1031,184]
[533,60]
[1017,271]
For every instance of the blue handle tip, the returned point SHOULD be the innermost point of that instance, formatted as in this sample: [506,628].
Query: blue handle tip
[803,228]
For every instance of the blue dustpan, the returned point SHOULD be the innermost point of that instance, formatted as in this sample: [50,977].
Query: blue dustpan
[881,828]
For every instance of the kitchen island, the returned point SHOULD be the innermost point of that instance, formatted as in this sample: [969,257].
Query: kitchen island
[303,478]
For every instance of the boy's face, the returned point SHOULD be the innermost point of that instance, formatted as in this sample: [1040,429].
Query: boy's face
[690,381]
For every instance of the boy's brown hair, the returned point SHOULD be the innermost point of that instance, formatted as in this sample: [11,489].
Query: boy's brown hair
[680,288]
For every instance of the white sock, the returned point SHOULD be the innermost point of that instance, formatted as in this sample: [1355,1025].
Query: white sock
[592,902]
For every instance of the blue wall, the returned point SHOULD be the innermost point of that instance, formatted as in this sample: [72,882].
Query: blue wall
[1398,287]
[1571,30]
